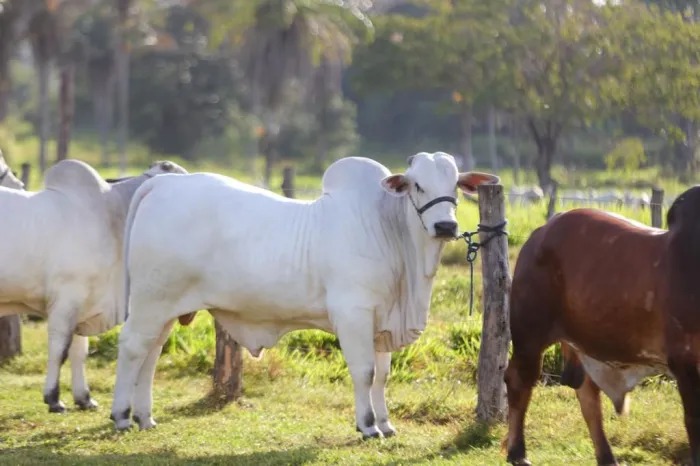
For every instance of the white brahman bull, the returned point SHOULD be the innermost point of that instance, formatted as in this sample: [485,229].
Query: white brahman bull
[64,245]
[358,262]
[7,178]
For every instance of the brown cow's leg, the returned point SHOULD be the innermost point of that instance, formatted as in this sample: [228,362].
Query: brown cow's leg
[523,371]
[589,398]
[685,370]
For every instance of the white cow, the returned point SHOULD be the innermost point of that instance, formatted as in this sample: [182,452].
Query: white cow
[7,178]
[358,262]
[62,254]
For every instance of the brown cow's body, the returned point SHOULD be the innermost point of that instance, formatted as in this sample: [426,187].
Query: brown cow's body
[624,296]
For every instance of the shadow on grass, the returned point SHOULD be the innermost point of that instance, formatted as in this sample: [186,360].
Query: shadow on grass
[47,455]
[209,404]
[676,452]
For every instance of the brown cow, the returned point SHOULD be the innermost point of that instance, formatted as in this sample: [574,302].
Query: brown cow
[624,296]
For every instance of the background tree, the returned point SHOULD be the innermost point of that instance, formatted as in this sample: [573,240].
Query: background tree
[282,42]
[454,47]
[43,34]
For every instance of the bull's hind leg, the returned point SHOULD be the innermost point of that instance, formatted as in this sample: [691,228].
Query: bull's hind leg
[136,340]
[143,393]
[60,337]
[684,367]
[382,367]
[524,369]
[77,355]
[588,395]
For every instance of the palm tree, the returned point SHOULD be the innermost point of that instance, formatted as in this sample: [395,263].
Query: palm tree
[43,38]
[121,58]
[286,42]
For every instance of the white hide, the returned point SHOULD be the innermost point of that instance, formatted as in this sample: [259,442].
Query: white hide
[62,254]
[359,262]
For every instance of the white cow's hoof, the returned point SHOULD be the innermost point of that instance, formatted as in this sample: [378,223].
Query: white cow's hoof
[387,429]
[370,432]
[57,407]
[145,422]
[86,403]
[122,424]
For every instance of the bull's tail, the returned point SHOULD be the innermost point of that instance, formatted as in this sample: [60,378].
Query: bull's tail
[141,192]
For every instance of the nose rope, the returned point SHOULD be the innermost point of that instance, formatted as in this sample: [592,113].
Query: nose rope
[474,246]
[430,204]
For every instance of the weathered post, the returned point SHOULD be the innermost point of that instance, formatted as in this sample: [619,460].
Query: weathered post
[10,337]
[288,182]
[10,326]
[228,366]
[656,207]
[495,334]
[24,176]
[552,206]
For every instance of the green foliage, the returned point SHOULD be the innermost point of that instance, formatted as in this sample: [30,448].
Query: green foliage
[628,155]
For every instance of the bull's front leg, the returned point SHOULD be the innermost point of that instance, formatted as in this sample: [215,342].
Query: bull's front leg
[77,355]
[382,368]
[60,338]
[354,328]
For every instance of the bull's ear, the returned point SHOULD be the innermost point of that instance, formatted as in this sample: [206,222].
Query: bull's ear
[396,185]
[468,181]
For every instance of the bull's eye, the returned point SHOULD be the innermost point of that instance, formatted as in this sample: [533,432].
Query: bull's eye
[418,188]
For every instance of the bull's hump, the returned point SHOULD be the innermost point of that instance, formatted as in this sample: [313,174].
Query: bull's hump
[354,173]
[72,176]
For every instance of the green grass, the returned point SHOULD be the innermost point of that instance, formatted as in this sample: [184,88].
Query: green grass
[297,406]
[288,416]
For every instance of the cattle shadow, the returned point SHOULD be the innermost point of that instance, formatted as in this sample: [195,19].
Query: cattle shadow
[48,455]
[209,404]
[672,450]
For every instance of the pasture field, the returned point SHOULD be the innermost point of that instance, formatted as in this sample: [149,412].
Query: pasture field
[297,406]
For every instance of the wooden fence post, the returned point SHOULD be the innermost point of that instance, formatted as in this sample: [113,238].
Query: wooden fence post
[288,182]
[24,177]
[10,337]
[657,207]
[495,334]
[228,366]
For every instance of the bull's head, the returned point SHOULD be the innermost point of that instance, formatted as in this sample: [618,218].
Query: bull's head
[430,182]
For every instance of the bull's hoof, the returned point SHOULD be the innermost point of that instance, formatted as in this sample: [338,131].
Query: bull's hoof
[145,422]
[57,407]
[121,419]
[387,430]
[521,462]
[370,433]
[87,404]
[122,425]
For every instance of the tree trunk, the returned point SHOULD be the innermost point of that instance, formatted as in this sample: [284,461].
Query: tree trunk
[66,110]
[6,43]
[467,118]
[545,154]
[515,144]
[103,108]
[269,165]
[546,142]
[122,72]
[10,337]
[8,19]
[493,154]
[44,111]
[321,150]
[228,366]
